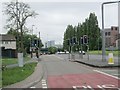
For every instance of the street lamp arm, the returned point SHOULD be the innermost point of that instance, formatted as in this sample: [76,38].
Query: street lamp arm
[110,2]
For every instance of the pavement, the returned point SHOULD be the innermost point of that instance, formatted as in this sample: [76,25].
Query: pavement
[32,79]
[97,62]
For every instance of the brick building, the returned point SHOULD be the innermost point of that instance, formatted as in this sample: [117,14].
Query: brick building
[111,35]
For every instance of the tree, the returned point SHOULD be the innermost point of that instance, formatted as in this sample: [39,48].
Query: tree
[52,50]
[27,40]
[69,33]
[93,31]
[90,28]
[18,13]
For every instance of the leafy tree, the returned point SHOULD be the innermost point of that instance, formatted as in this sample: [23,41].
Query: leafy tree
[93,31]
[90,28]
[18,13]
[52,50]
[68,36]
[27,40]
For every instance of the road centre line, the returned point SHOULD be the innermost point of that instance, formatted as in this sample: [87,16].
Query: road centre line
[106,74]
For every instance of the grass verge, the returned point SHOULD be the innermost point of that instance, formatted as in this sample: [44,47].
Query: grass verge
[115,53]
[8,61]
[13,75]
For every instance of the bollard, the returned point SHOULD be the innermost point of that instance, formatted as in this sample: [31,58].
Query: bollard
[110,58]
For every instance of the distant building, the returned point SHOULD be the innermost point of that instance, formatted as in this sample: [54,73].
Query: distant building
[50,44]
[59,46]
[8,41]
[111,35]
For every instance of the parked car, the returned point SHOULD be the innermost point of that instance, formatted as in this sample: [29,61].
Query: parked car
[82,52]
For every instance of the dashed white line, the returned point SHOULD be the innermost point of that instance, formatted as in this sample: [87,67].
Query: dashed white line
[106,74]
[44,85]
[43,80]
[32,87]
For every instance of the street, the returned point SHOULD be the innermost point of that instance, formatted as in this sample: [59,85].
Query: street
[62,73]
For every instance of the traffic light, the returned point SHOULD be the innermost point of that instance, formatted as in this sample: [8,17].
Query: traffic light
[74,40]
[81,40]
[39,42]
[35,42]
[85,39]
[71,41]
[68,42]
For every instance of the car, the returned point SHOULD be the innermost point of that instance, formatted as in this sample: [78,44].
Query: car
[82,52]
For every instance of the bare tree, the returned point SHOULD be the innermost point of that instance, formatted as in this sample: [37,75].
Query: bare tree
[18,13]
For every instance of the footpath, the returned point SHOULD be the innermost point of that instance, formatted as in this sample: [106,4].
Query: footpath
[34,78]
[96,61]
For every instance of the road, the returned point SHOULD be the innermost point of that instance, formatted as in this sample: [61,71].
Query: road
[62,73]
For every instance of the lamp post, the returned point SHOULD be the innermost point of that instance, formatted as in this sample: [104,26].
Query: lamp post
[32,42]
[119,16]
[103,31]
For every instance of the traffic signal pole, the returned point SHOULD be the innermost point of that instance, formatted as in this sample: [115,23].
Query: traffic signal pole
[81,39]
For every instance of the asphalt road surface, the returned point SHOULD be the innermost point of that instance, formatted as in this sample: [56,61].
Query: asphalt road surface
[62,73]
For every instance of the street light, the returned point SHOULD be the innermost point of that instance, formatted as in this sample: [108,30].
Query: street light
[103,31]
[119,16]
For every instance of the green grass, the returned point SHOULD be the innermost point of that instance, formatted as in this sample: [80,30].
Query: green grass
[107,52]
[11,76]
[8,61]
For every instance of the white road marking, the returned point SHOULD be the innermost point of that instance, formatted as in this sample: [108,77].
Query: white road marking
[106,74]
[43,80]
[32,87]
[44,85]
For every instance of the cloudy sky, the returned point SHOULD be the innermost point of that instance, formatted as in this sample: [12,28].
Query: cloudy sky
[55,15]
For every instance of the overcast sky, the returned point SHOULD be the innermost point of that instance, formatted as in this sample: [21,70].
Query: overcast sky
[55,15]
